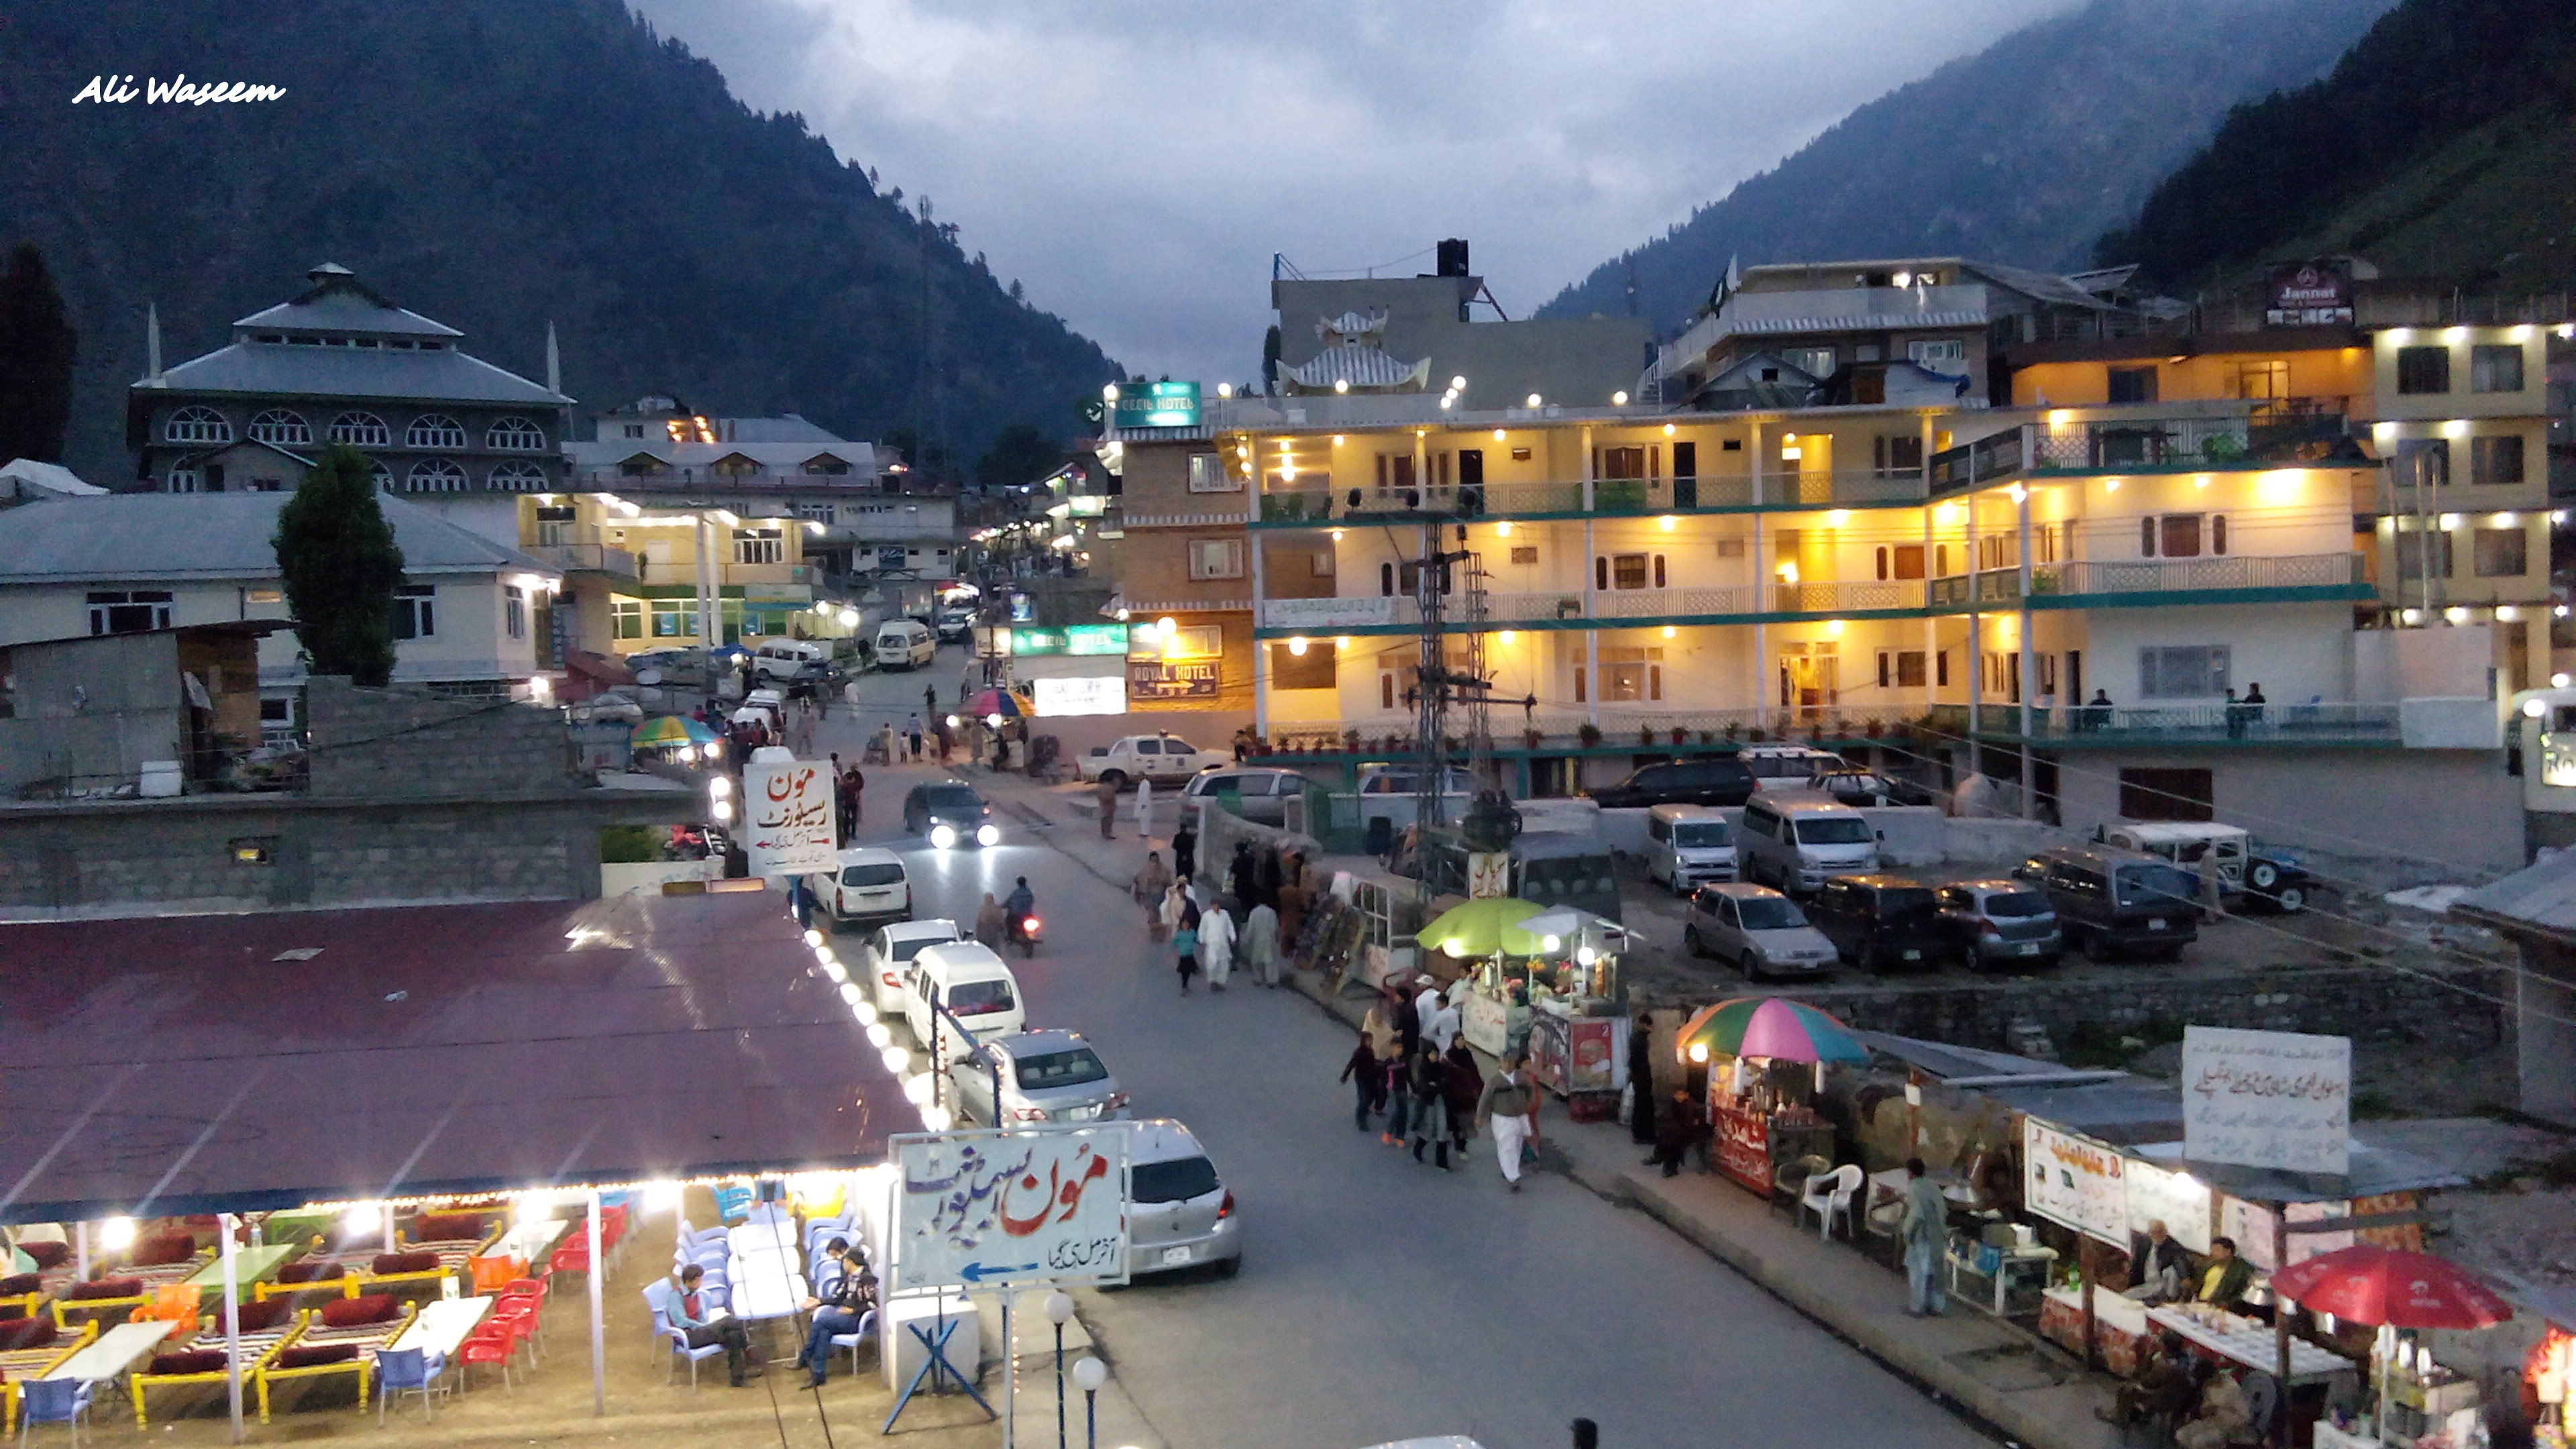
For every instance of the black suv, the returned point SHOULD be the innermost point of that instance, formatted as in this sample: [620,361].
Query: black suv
[1881,922]
[1708,780]
[2111,903]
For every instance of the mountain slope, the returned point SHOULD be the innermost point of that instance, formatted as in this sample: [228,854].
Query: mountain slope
[498,164]
[2438,146]
[2022,153]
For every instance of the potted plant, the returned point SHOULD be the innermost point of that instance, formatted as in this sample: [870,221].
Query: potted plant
[1708,737]
[1871,729]
[1532,737]
[1760,734]
[1646,735]
[1589,734]
[1734,727]
[1351,741]
[1680,736]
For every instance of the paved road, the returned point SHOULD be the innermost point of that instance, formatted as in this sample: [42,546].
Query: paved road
[1379,1299]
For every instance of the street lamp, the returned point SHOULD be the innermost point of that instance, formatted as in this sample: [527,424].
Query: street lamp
[1059,1310]
[1088,1376]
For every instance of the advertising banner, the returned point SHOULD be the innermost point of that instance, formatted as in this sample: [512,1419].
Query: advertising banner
[2309,294]
[2273,1099]
[1029,1208]
[787,826]
[2075,1182]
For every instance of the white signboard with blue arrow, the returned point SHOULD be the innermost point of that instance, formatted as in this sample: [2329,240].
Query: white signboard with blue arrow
[1036,1207]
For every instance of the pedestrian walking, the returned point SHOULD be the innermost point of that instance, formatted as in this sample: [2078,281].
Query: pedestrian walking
[1408,1022]
[1509,1110]
[1681,1128]
[965,683]
[1105,795]
[803,733]
[1185,851]
[1440,1028]
[858,796]
[1641,1081]
[850,697]
[1176,905]
[992,924]
[1396,1091]
[1466,1084]
[1379,1026]
[1148,889]
[1185,945]
[912,738]
[1362,1072]
[2213,896]
[1216,945]
[1261,944]
[946,734]
[1239,875]
[930,699]
[1145,807]
[1927,1224]
[1431,1107]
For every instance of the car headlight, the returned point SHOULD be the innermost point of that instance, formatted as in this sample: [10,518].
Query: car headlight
[988,835]
[942,837]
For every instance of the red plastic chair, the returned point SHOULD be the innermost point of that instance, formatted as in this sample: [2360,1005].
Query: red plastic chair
[494,1343]
[523,1315]
[572,1257]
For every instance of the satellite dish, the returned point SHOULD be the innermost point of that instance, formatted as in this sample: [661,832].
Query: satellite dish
[648,677]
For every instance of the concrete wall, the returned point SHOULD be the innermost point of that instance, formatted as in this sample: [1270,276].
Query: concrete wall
[2455,810]
[393,743]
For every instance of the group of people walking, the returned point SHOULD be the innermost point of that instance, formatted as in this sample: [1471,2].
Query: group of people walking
[1208,934]
[1412,1068]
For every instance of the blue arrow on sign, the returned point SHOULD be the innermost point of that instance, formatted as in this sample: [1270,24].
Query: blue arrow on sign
[978,1272]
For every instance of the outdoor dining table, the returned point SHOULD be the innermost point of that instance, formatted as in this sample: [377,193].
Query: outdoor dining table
[766,1285]
[530,1242]
[250,1265]
[114,1354]
[764,1238]
[442,1326]
[2253,1345]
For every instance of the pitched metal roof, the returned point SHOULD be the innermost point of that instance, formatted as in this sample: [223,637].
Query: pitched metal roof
[287,369]
[2539,899]
[338,302]
[1853,321]
[776,456]
[136,536]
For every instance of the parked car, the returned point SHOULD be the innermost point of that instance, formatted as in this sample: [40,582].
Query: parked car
[904,644]
[1160,758]
[1688,846]
[2246,871]
[950,814]
[1406,780]
[1046,1076]
[1263,792]
[1788,767]
[1180,1213]
[607,708]
[1880,922]
[781,658]
[2000,923]
[1708,780]
[2111,903]
[865,886]
[1861,788]
[1796,843]
[976,987]
[1762,931]
[956,626]
[886,960]
[674,666]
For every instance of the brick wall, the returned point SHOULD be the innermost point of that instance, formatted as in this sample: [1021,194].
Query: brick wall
[380,743]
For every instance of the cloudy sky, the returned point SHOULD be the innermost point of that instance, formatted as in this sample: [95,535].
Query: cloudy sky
[1136,165]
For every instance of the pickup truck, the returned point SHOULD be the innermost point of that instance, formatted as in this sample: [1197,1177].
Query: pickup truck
[1147,757]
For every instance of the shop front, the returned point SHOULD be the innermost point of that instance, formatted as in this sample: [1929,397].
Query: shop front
[1766,1058]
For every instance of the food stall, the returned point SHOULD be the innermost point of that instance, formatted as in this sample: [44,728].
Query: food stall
[2417,1401]
[1765,1057]
[1565,963]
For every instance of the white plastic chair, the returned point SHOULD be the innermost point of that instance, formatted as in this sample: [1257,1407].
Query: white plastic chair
[1829,1196]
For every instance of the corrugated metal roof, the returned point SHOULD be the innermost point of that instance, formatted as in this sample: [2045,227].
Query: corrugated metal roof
[140,536]
[1358,364]
[344,310]
[1853,322]
[612,451]
[2377,1167]
[2540,897]
[274,368]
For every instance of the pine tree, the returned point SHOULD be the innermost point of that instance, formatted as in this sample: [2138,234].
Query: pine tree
[36,349]
[337,556]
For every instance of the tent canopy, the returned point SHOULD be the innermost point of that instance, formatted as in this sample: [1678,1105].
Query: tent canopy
[247,1063]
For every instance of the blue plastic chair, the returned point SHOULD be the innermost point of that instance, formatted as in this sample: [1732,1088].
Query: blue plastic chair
[855,1337]
[732,1203]
[52,1401]
[658,1299]
[408,1371]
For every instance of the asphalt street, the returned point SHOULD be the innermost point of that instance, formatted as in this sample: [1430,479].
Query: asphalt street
[1379,1299]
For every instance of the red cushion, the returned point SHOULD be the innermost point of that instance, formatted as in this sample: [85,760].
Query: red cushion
[188,1361]
[26,1333]
[47,1255]
[16,1284]
[406,1263]
[259,1317]
[312,1270]
[447,1228]
[374,1308]
[108,1288]
[312,1354]
[163,1249]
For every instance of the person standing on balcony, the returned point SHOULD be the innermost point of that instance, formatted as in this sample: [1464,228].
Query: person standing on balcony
[2254,702]
[2235,716]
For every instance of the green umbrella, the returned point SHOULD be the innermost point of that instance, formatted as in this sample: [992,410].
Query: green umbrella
[1478,928]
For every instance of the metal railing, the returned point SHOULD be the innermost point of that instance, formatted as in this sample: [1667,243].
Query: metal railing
[1389,735]
[1609,607]
[2090,578]
[2314,721]
[593,558]
[1318,501]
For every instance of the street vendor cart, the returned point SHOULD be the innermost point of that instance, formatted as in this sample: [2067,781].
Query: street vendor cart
[1765,1057]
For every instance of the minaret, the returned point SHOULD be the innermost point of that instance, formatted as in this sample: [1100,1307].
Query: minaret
[152,339]
[554,362]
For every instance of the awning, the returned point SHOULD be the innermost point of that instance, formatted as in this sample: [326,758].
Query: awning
[248,1063]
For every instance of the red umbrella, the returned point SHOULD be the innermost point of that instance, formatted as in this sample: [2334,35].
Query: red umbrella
[2368,1284]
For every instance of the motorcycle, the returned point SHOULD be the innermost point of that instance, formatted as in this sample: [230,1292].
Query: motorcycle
[1027,931]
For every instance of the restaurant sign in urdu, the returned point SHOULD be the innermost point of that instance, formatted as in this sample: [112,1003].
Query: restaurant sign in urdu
[2075,1182]
[1025,1208]
[2273,1099]
[787,818]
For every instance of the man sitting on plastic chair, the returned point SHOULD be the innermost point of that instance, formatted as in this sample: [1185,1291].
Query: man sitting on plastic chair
[693,1316]
[841,1311]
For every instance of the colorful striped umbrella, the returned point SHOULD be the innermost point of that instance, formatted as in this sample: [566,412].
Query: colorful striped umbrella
[671,729]
[1008,703]
[1770,1026]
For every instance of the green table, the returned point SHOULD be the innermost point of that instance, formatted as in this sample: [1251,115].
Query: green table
[296,1227]
[250,1265]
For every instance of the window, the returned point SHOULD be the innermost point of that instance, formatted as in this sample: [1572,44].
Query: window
[1410,577]
[514,610]
[2495,369]
[514,435]
[1623,463]
[1394,470]
[435,430]
[2423,370]
[518,478]
[824,464]
[182,480]
[1900,668]
[2496,458]
[281,428]
[625,618]
[1208,475]
[129,613]
[2189,671]
[1632,675]
[2182,535]
[415,611]
[1943,354]
[1941,670]
[1900,561]
[2133,384]
[1216,558]
[360,430]
[2165,794]
[2499,553]
[759,545]
[814,512]
[634,430]
[197,425]
[1896,453]
[1816,362]
[2263,381]
[435,475]
[378,475]
[1626,571]
[675,619]
[1320,563]
[2414,548]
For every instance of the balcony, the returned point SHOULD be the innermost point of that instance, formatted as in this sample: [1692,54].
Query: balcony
[2283,578]
[1611,609]
[2288,435]
[1622,730]
[683,574]
[586,558]
[1319,504]
[2317,722]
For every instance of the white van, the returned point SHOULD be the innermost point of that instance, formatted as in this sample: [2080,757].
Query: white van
[1788,767]
[1793,845]
[905,644]
[781,658]
[968,979]
[1688,846]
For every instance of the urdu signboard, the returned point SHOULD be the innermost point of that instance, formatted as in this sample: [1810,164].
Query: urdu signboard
[2272,1099]
[2075,1182]
[1027,1208]
[787,818]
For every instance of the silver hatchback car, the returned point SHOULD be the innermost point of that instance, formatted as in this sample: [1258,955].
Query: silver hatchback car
[1183,1215]
[1046,1076]
[1762,931]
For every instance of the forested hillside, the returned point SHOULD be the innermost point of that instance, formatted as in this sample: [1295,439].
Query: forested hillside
[499,164]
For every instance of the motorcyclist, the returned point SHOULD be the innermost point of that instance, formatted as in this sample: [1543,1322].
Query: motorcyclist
[1021,904]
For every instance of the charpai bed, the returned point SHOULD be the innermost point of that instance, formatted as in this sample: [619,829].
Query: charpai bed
[266,1329]
[342,1338]
[29,1349]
